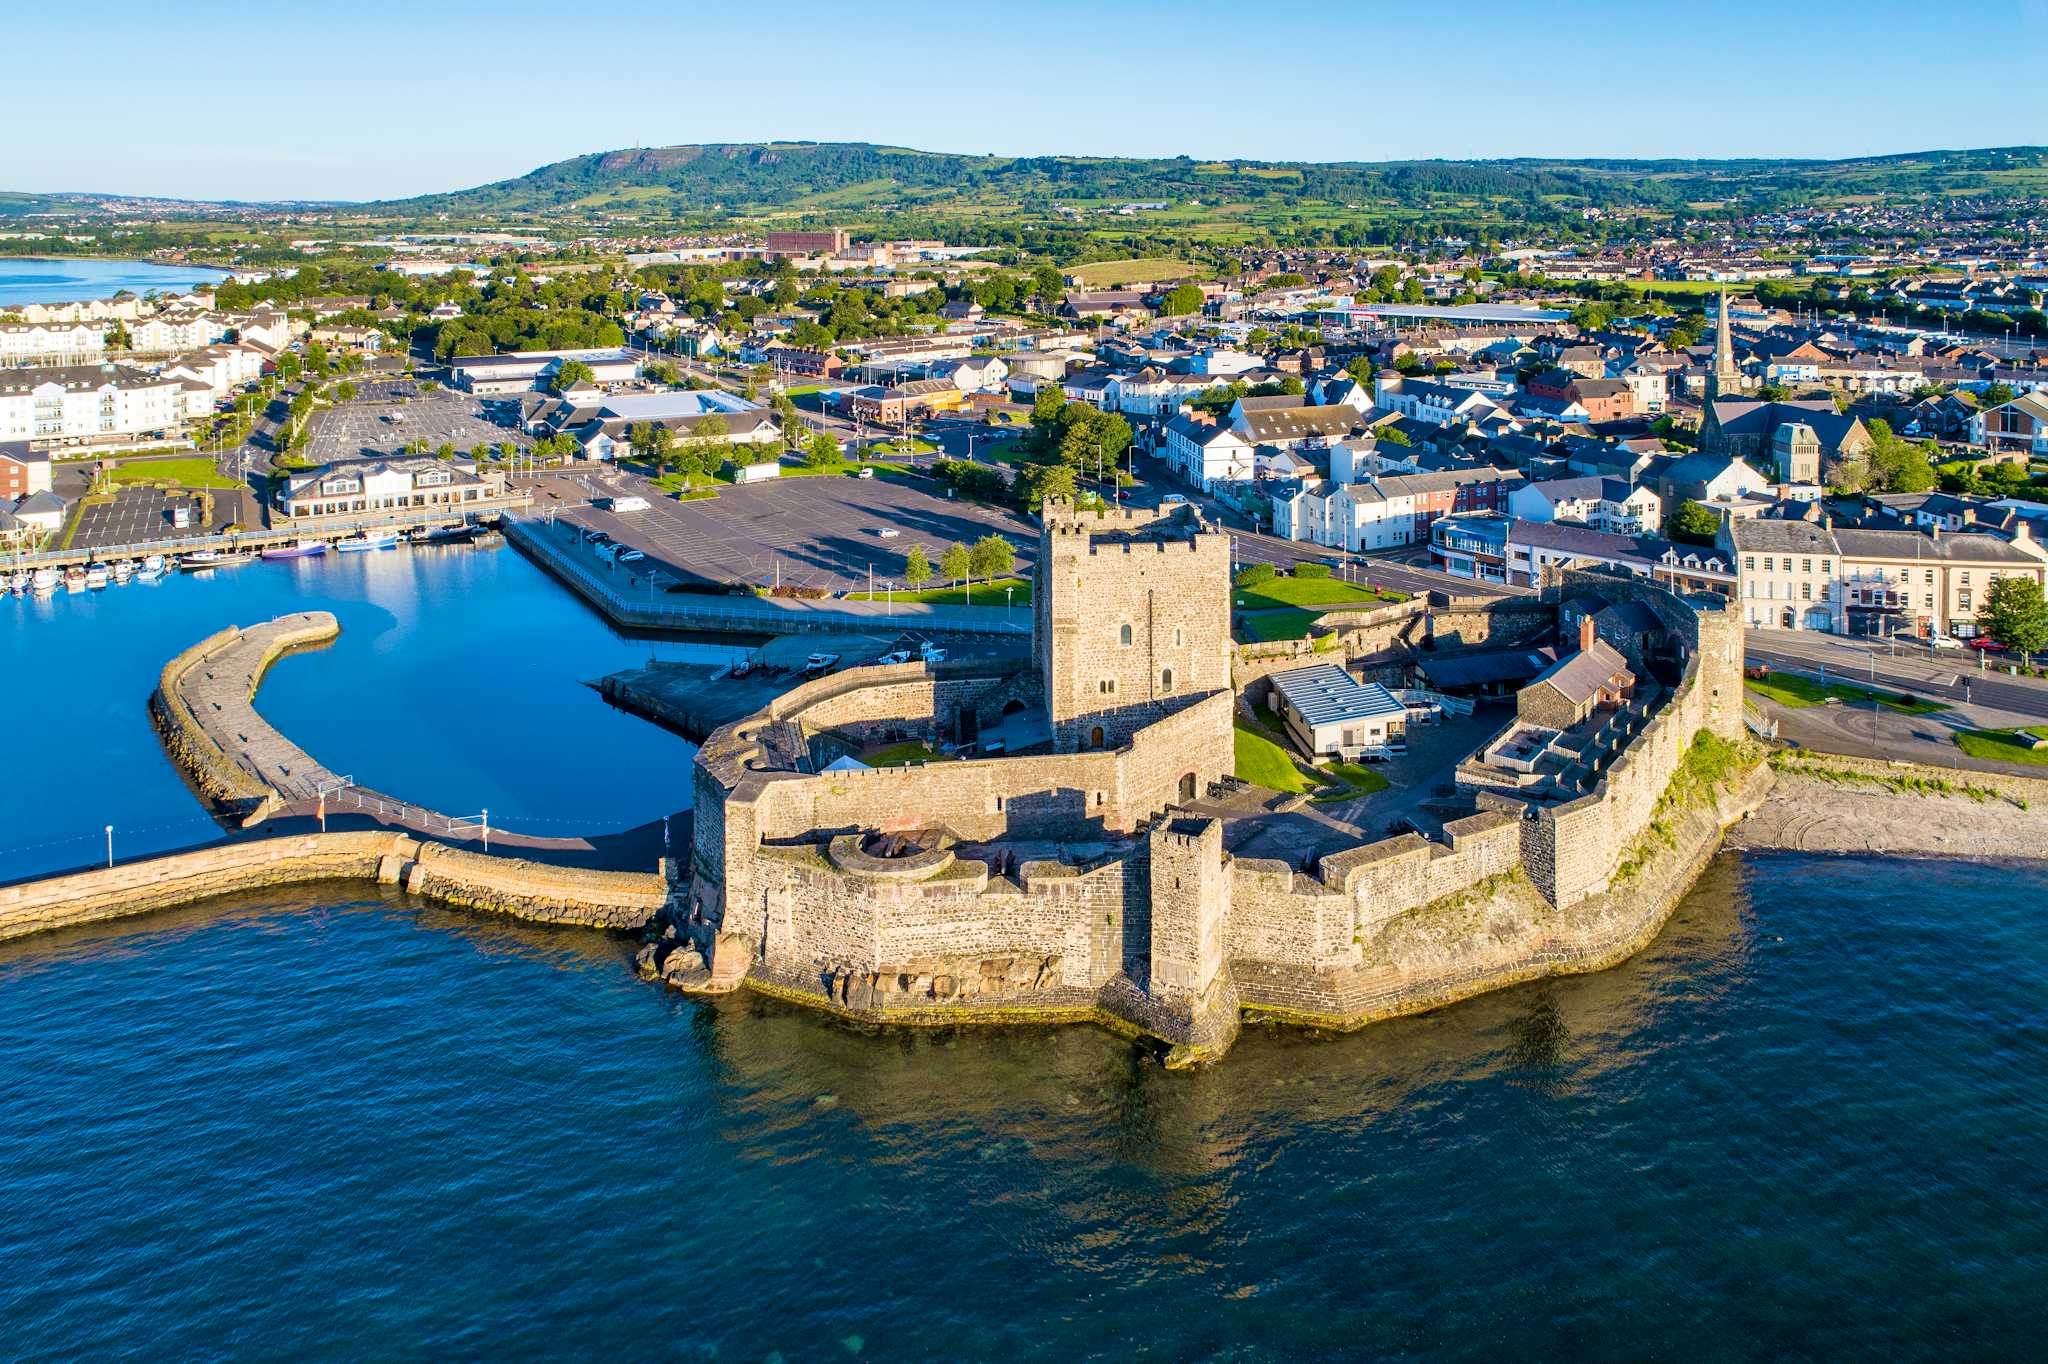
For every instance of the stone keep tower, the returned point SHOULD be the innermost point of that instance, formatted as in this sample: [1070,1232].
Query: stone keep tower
[1131,619]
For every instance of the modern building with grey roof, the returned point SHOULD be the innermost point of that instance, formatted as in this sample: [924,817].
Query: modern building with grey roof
[1331,714]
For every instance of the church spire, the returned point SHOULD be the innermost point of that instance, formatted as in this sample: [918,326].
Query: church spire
[1726,378]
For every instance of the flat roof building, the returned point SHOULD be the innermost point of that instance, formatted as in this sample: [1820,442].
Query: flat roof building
[1331,714]
[522,371]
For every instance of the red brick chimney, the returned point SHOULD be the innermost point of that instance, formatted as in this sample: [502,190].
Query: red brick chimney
[1585,633]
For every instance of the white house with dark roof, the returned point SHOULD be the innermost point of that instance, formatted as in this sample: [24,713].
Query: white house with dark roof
[1331,714]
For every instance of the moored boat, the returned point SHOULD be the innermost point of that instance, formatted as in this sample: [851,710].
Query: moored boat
[96,575]
[124,569]
[74,578]
[356,544]
[43,581]
[18,583]
[298,549]
[152,566]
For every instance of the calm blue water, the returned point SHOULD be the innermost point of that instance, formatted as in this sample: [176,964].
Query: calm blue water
[456,683]
[30,280]
[1808,1122]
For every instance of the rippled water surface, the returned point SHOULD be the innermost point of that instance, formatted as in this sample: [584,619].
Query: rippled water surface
[1807,1121]
[457,682]
[31,280]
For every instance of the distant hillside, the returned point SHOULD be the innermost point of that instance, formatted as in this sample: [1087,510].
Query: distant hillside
[826,177]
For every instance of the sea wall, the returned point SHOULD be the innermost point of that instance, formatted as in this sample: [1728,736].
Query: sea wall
[203,713]
[522,889]
[1499,932]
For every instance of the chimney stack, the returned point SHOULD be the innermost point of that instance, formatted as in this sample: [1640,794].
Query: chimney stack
[1585,633]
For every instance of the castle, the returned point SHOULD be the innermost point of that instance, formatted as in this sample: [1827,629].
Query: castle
[1082,865]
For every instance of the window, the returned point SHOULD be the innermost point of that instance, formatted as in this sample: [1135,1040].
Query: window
[1966,577]
[1806,591]
[1767,563]
[1166,679]
[1930,577]
[1124,636]
[1806,565]
[1827,565]
[1107,686]
[1749,561]
[1176,634]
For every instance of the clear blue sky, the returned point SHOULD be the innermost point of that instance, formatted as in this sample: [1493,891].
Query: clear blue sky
[374,100]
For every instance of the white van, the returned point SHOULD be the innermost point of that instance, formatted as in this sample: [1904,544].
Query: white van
[626,503]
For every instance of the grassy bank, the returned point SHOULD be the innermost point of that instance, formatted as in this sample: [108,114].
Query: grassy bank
[1789,689]
[2005,745]
[194,472]
[981,594]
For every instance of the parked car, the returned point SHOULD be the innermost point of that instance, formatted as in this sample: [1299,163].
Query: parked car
[891,659]
[818,663]
[888,532]
[865,473]
[1944,642]
[1171,499]
[630,556]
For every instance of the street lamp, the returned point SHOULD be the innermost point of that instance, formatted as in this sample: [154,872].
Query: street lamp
[110,846]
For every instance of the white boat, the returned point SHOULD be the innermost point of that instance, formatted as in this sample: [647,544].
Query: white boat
[18,583]
[43,581]
[74,579]
[96,575]
[356,544]
[123,570]
[153,566]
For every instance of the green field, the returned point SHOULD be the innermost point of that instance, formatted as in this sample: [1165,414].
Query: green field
[195,472]
[1262,762]
[984,594]
[1103,273]
[2003,745]
[1324,592]
[1788,689]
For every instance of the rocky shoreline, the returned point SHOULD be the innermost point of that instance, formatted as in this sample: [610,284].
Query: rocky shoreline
[1824,804]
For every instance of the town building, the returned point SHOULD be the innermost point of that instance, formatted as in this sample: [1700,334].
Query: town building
[1789,572]
[52,343]
[84,405]
[372,486]
[24,470]
[2019,426]
[529,370]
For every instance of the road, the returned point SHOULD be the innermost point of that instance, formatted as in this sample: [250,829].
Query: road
[1946,674]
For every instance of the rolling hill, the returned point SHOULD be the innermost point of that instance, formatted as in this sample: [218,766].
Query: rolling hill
[739,180]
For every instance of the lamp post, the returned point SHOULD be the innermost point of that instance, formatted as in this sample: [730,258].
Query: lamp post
[110,845]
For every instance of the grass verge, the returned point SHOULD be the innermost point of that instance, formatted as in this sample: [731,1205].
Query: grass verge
[2004,745]
[904,754]
[197,472]
[1789,689]
[983,594]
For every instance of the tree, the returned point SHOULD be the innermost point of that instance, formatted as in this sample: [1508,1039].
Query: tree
[822,452]
[344,391]
[991,557]
[446,450]
[1994,394]
[917,568]
[957,563]
[2016,615]
[1048,284]
[118,338]
[1692,524]
[572,373]
[1181,300]
[1038,484]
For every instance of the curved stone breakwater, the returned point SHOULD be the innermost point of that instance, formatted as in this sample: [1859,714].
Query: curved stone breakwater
[523,889]
[204,710]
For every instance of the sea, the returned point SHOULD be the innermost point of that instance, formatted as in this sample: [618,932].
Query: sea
[75,278]
[335,1123]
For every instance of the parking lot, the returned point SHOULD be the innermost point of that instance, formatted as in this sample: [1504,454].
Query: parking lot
[357,429]
[821,532]
[143,515]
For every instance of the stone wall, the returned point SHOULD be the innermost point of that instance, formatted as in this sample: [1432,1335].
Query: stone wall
[207,724]
[526,890]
